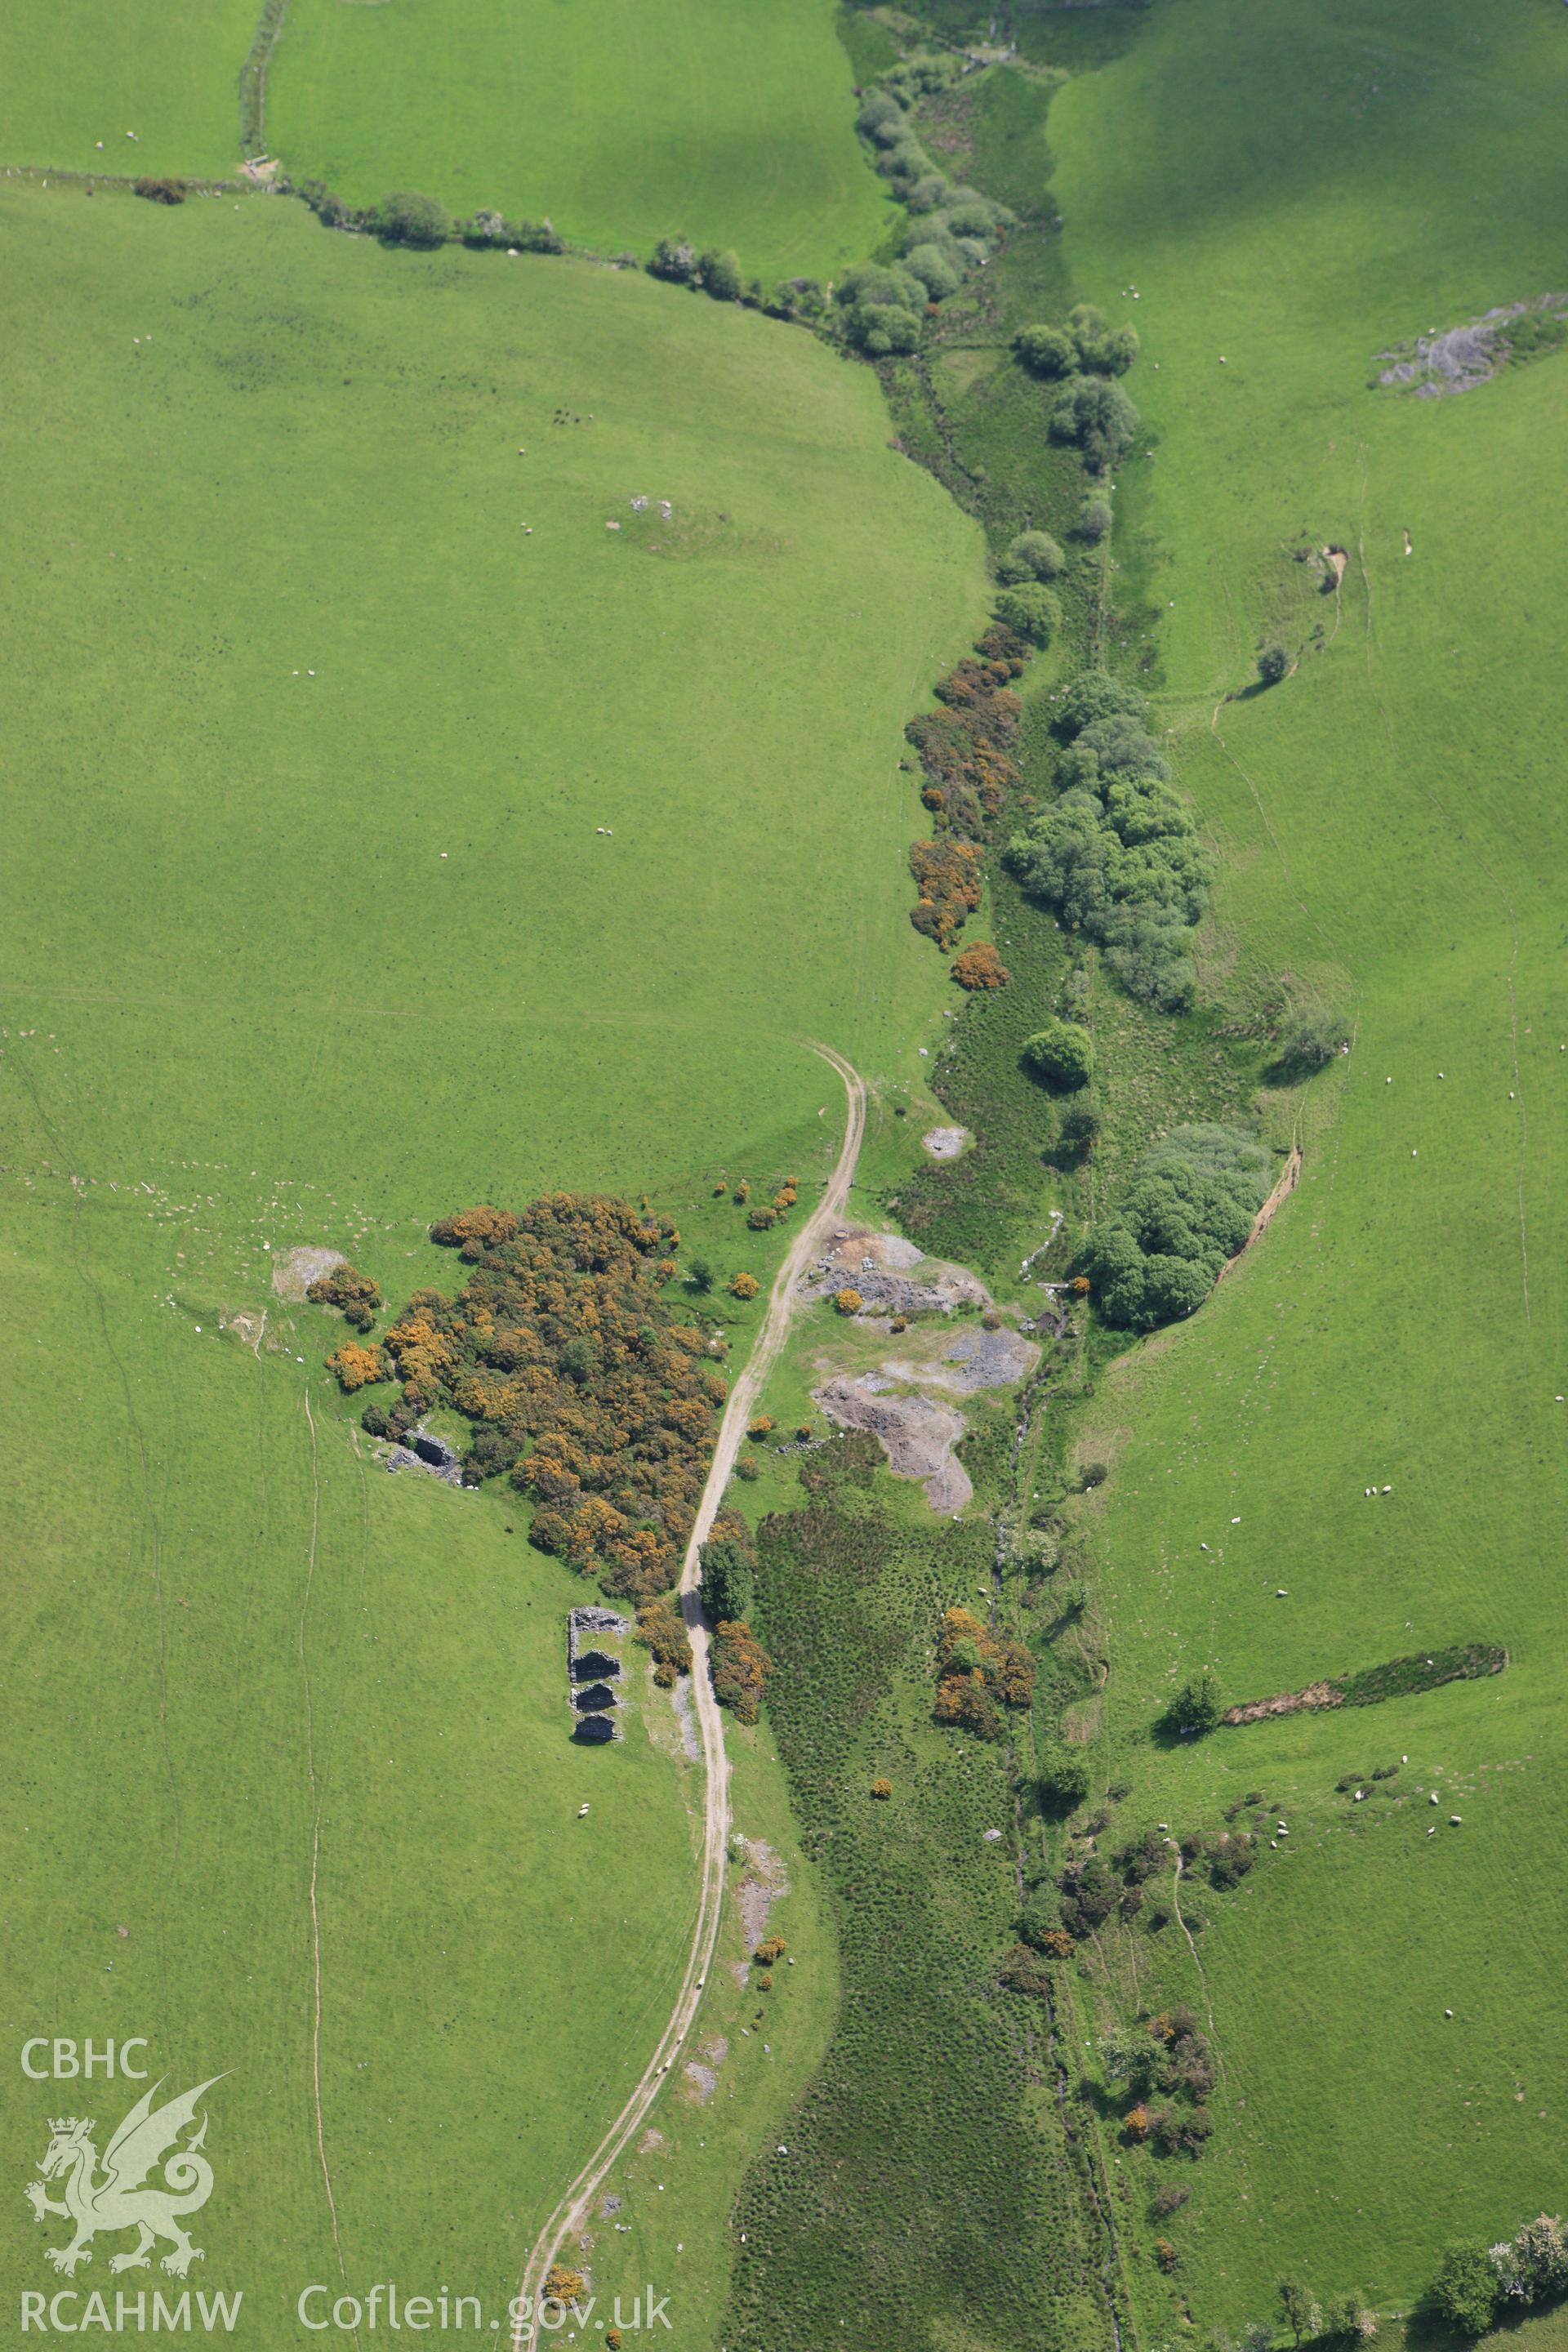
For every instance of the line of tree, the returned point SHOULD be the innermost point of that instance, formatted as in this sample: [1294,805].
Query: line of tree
[1477,2283]
[408,217]
[678,261]
[877,308]
[1084,360]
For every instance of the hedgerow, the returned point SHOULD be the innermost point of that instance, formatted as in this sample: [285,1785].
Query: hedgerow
[661,1628]
[408,217]
[948,876]
[358,1368]
[980,967]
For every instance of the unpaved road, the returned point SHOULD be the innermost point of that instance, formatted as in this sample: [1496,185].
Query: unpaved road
[572,2213]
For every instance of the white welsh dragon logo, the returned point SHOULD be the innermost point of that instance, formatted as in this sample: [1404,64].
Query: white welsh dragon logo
[116,2199]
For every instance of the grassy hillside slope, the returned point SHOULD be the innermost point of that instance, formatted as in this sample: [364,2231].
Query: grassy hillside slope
[303,959]
[283,905]
[74,81]
[731,125]
[1295,191]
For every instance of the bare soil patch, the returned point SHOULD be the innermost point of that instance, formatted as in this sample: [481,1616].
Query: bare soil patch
[1288,1180]
[1299,1702]
[916,1436]
[974,1359]
[292,1276]
[762,1882]
[890,1272]
[945,1143]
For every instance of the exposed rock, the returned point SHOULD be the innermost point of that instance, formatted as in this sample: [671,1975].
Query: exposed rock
[945,1143]
[1260,1710]
[592,1703]
[405,1457]
[879,1266]
[916,1436]
[1457,359]
[982,1359]
[293,1274]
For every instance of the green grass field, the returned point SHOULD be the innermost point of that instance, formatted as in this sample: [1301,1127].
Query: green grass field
[74,81]
[313,959]
[1295,193]
[406,809]
[732,125]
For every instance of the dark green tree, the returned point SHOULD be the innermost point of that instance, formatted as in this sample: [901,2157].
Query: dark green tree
[728,1582]
[1033,555]
[721,275]
[1094,414]
[1063,1780]
[1195,1709]
[1045,351]
[1465,2288]
[1300,2306]
[407,217]
[1062,1054]
[1080,1126]
[1031,611]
